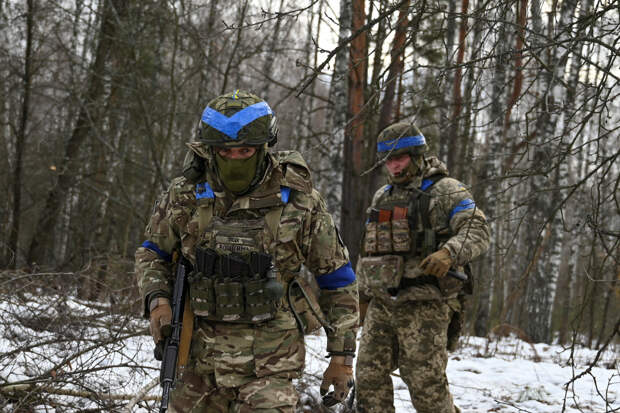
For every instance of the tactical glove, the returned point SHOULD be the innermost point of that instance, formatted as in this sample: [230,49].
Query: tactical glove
[339,373]
[161,317]
[437,264]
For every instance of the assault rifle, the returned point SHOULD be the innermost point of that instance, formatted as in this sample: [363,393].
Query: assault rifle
[168,350]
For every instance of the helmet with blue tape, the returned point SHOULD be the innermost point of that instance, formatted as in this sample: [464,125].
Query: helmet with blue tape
[238,118]
[399,138]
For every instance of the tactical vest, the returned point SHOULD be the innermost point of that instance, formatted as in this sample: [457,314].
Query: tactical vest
[397,228]
[242,266]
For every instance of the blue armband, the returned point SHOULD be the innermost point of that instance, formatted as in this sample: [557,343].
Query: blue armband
[155,248]
[343,276]
[462,206]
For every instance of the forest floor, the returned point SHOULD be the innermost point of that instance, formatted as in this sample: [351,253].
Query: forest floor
[59,354]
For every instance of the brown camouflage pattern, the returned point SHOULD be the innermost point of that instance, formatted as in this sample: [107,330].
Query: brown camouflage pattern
[255,362]
[410,331]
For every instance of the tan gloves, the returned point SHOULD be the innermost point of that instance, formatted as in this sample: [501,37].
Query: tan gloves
[339,373]
[161,317]
[437,264]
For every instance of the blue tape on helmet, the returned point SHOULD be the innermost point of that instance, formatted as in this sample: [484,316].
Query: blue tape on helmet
[155,248]
[463,206]
[400,143]
[230,126]
[204,190]
[285,192]
[342,277]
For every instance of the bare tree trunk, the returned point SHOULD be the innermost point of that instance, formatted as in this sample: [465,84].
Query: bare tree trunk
[455,144]
[569,243]
[493,278]
[396,67]
[40,247]
[373,95]
[357,153]
[207,75]
[544,275]
[271,51]
[5,145]
[483,276]
[609,293]
[238,42]
[20,140]
[339,98]
[445,106]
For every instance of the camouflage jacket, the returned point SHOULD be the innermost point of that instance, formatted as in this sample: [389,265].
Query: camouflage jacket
[461,227]
[305,234]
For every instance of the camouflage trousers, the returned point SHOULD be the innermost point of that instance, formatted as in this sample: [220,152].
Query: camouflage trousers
[411,337]
[240,368]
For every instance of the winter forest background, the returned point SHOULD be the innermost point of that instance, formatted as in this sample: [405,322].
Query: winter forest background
[519,97]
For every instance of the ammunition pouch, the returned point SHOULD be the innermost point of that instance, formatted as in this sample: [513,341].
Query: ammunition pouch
[393,234]
[231,288]
[387,231]
[380,274]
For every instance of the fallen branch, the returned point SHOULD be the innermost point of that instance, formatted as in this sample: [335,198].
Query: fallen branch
[14,391]
[142,395]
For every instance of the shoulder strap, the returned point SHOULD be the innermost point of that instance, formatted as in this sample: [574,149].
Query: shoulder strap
[425,200]
[273,217]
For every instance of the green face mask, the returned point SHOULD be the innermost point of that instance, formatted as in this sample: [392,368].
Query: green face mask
[237,174]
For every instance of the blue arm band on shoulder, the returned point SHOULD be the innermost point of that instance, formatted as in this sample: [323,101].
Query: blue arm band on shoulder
[400,143]
[231,126]
[462,206]
[285,192]
[343,276]
[155,248]
[204,190]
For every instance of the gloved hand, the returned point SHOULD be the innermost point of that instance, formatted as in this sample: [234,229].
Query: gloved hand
[341,377]
[161,318]
[437,264]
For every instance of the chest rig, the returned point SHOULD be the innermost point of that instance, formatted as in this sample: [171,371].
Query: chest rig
[242,247]
[398,227]
[400,223]
[235,279]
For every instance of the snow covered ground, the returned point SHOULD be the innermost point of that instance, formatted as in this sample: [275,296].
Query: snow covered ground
[85,356]
[504,378]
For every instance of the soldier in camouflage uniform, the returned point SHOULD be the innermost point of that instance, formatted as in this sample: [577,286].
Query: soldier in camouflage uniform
[247,220]
[419,226]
